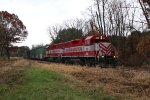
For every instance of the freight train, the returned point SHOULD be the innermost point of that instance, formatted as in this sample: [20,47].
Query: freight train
[89,50]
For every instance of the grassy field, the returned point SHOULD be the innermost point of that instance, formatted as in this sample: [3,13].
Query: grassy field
[25,80]
[119,82]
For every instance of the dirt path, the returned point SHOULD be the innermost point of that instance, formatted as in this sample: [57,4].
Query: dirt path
[119,82]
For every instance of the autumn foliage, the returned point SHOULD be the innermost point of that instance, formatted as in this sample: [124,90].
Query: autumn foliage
[143,46]
[12,30]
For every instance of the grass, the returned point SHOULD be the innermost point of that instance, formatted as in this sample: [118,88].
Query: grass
[33,83]
[52,81]
[124,84]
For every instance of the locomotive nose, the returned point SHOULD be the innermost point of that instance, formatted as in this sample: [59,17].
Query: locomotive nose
[105,49]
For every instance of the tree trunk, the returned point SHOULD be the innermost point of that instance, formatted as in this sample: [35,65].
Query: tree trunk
[145,13]
[2,51]
[91,23]
[100,19]
[104,17]
[7,53]
[99,26]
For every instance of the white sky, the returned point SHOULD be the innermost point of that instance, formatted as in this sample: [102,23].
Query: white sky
[38,15]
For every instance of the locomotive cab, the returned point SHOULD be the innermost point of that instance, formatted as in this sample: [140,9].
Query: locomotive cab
[104,50]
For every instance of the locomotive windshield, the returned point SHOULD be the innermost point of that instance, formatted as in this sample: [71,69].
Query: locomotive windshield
[100,40]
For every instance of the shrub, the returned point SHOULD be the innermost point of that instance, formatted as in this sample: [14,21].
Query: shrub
[134,60]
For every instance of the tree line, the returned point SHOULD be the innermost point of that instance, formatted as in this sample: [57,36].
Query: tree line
[127,23]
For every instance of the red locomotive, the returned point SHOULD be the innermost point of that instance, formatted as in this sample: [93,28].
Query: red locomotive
[95,49]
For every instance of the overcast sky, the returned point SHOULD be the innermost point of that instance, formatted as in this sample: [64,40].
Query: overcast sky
[38,15]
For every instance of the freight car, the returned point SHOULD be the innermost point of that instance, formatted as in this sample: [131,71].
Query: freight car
[92,50]
[38,53]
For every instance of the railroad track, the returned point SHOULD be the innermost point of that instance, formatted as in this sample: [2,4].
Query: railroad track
[136,70]
[125,69]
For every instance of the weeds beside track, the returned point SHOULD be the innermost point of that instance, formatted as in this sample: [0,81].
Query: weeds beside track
[25,80]
[122,82]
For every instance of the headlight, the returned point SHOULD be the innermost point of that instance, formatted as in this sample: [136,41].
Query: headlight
[102,56]
[115,56]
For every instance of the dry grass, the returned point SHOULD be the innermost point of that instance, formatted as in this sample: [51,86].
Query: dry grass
[119,82]
[8,68]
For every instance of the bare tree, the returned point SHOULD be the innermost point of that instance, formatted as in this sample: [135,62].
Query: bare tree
[75,23]
[53,31]
[80,24]
[99,16]
[146,10]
